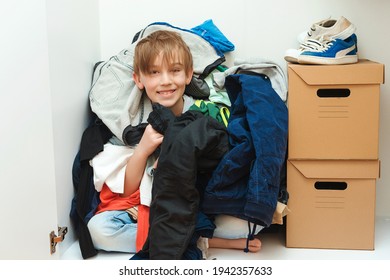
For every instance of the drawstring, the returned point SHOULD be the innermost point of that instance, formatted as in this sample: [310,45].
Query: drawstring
[251,236]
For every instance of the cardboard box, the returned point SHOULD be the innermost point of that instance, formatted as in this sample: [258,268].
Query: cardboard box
[332,203]
[334,110]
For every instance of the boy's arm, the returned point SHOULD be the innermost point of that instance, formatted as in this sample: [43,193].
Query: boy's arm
[136,164]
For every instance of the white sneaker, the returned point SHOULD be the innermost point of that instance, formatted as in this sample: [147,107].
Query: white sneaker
[342,28]
[328,28]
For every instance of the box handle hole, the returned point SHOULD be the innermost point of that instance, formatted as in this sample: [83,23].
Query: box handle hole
[333,92]
[338,186]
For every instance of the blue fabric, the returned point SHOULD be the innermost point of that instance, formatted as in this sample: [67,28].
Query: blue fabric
[210,32]
[246,182]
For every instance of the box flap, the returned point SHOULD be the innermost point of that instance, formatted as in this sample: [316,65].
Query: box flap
[338,169]
[363,72]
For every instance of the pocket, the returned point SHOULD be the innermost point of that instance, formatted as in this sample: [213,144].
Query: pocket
[108,85]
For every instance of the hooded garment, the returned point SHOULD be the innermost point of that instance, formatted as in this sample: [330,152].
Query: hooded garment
[116,99]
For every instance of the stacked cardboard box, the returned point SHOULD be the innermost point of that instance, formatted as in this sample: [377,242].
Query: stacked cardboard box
[333,160]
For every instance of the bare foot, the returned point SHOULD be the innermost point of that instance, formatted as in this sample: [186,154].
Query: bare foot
[239,243]
[254,245]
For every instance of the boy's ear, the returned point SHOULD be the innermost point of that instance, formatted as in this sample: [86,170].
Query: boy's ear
[137,81]
[189,77]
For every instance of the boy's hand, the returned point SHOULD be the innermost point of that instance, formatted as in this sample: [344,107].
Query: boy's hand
[150,140]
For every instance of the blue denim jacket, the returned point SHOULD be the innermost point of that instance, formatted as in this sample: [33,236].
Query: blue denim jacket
[246,182]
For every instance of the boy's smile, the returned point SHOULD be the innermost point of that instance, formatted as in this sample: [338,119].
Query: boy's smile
[166,92]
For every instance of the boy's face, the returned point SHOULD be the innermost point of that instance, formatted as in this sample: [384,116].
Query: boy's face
[165,83]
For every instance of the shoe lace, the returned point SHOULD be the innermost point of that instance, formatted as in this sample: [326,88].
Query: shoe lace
[310,44]
[320,45]
[250,237]
[311,30]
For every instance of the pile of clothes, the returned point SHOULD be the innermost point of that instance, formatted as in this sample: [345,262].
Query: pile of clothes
[234,166]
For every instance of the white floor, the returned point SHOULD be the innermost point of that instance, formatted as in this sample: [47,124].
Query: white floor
[273,248]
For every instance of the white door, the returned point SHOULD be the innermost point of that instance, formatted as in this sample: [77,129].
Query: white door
[48,49]
[28,200]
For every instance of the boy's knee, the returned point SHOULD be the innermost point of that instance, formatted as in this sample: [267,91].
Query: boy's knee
[94,230]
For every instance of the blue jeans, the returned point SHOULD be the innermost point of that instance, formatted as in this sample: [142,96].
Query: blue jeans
[113,231]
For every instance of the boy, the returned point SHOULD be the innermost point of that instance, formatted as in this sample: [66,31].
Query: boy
[163,67]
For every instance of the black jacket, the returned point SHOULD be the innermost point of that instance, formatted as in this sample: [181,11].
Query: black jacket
[193,144]
[86,198]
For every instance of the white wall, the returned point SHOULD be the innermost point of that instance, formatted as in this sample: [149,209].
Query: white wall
[263,28]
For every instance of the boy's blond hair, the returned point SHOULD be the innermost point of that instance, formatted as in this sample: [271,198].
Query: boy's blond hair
[169,43]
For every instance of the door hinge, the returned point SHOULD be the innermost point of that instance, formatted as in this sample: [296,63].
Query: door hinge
[54,239]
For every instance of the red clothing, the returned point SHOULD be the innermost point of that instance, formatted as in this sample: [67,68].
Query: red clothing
[143,226]
[113,201]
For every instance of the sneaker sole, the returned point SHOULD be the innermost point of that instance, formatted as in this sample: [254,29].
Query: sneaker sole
[321,60]
[291,59]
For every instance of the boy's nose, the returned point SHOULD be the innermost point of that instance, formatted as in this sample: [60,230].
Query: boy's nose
[165,78]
